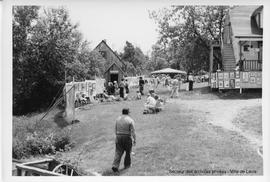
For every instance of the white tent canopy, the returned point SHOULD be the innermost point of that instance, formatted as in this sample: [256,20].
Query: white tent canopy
[168,71]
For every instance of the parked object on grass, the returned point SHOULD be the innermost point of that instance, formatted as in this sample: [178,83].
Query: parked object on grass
[46,167]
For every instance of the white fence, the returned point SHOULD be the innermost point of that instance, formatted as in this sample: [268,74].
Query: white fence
[75,90]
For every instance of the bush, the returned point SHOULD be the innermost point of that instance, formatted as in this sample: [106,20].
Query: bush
[38,138]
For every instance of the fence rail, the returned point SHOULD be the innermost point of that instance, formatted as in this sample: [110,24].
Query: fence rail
[252,65]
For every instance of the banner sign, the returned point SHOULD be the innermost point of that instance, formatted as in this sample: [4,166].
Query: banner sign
[236,79]
[226,76]
[237,83]
[251,79]
[89,88]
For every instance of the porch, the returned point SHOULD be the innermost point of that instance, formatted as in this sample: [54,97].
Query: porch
[251,65]
[250,54]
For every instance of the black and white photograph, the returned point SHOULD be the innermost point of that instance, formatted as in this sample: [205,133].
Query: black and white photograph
[145,88]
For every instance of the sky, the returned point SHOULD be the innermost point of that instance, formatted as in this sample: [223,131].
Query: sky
[116,23]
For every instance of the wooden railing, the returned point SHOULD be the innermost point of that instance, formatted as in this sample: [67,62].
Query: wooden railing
[28,169]
[252,65]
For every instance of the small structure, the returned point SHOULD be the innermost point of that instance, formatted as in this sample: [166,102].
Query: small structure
[114,65]
[169,71]
[114,73]
[241,50]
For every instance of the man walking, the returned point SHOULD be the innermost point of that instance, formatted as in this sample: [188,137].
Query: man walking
[125,136]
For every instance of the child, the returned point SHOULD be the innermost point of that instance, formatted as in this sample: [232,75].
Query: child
[139,95]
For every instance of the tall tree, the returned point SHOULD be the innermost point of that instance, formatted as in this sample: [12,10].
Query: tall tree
[134,59]
[46,47]
[23,21]
[186,33]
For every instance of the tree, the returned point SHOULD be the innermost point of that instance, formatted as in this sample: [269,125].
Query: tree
[22,26]
[134,59]
[159,58]
[47,48]
[186,33]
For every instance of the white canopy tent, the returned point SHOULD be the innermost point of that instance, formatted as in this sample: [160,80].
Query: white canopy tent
[169,71]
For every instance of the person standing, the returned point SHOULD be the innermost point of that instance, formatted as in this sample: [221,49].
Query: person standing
[190,81]
[141,85]
[166,81]
[175,86]
[163,80]
[152,85]
[179,83]
[158,81]
[122,86]
[125,138]
[155,82]
[115,84]
[126,86]
[112,89]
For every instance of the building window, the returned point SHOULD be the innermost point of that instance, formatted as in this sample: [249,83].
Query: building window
[104,54]
[246,48]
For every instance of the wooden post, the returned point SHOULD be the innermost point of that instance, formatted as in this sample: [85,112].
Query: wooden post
[23,172]
[70,108]
[211,59]
[19,172]
[210,66]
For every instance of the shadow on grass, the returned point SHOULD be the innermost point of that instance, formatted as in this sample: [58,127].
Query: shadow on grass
[235,94]
[224,94]
[60,120]
[109,172]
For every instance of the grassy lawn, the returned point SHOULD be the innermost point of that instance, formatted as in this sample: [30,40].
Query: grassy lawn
[250,120]
[173,142]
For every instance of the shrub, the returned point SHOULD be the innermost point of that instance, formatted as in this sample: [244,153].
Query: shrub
[38,138]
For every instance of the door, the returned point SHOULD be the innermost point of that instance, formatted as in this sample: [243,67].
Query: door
[114,77]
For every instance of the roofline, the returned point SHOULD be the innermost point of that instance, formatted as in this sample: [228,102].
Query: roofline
[248,36]
[111,50]
[116,65]
[258,10]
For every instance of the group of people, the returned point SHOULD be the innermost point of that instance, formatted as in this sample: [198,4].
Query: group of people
[114,88]
[153,103]
[171,83]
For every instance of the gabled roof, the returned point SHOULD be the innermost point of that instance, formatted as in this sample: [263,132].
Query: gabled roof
[258,10]
[242,22]
[168,70]
[104,42]
[112,65]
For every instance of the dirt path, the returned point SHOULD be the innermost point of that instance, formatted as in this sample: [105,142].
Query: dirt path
[222,113]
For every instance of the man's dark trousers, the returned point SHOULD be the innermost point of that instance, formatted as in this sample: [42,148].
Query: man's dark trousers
[123,144]
[122,92]
[141,89]
[190,85]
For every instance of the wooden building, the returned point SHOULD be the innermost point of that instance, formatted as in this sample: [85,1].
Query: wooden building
[242,38]
[241,50]
[114,65]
